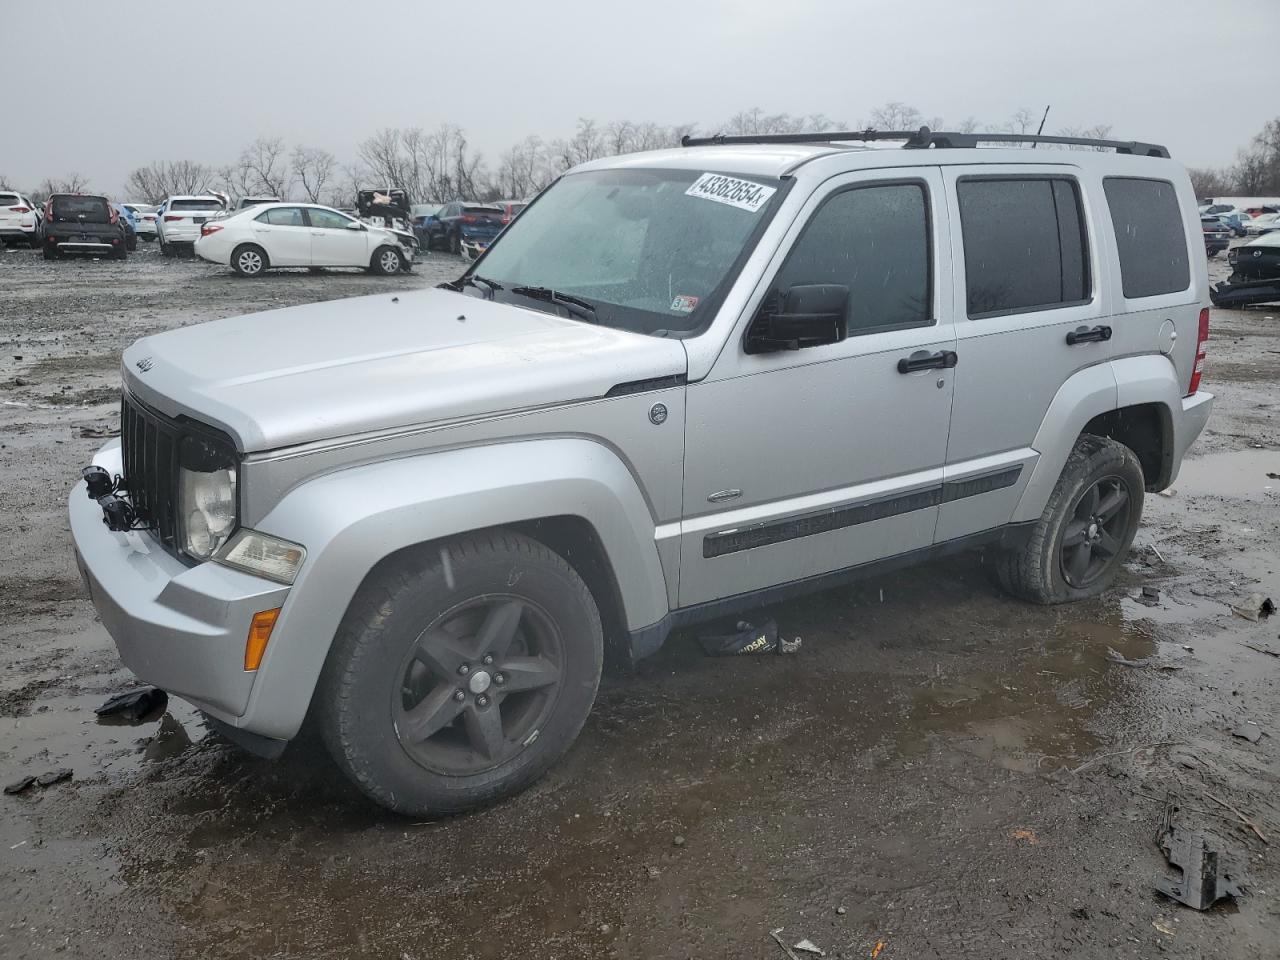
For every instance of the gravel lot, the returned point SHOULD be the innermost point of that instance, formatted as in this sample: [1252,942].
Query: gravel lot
[942,770]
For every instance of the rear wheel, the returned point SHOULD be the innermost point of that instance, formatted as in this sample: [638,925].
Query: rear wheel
[1077,546]
[249,260]
[120,252]
[461,674]
[387,261]
[166,249]
[50,251]
[455,243]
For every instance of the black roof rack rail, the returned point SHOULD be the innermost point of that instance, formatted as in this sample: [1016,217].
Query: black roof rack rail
[925,138]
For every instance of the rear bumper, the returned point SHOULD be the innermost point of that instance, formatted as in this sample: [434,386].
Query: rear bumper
[180,234]
[1195,414]
[85,246]
[178,627]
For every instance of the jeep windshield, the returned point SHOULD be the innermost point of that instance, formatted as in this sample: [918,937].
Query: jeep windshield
[652,251]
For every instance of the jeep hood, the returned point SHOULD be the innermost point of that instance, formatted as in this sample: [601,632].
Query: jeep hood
[333,369]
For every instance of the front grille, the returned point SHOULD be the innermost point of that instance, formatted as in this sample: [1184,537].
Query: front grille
[149,443]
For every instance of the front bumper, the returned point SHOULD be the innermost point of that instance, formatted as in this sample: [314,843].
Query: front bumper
[181,628]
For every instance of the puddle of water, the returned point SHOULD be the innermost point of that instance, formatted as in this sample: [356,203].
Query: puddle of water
[62,731]
[1237,473]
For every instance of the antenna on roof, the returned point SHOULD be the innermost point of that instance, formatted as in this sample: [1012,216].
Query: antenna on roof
[1040,129]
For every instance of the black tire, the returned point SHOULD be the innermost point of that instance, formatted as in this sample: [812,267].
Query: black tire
[149,238]
[1045,569]
[120,253]
[365,696]
[132,244]
[386,261]
[166,249]
[249,260]
[50,251]
[455,244]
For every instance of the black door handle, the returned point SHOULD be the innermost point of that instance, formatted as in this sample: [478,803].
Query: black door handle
[942,360]
[1092,335]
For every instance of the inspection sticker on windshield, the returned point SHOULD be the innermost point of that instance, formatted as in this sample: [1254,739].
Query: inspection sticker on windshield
[742,194]
[684,304]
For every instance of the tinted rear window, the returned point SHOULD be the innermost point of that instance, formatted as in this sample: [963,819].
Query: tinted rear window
[86,209]
[483,211]
[195,205]
[1025,246]
[9,200]
[1149,236]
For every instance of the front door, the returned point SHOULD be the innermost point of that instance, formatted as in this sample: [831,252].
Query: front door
[803,462]
[334,242]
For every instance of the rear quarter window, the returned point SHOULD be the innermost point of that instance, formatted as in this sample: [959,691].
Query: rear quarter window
[195,205]
[1150,236]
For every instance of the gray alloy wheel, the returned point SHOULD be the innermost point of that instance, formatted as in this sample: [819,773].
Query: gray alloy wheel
[1092,539]
[387,261]
[248,261]
[476,683]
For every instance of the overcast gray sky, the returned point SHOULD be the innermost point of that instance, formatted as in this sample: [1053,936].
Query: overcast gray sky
[198,81]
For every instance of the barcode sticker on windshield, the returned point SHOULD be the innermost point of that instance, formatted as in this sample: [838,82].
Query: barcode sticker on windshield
[742,194]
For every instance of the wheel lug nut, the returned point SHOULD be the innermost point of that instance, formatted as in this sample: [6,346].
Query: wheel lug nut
[499,678]
[459,695]
[482,701]
[464,669]
[488,659]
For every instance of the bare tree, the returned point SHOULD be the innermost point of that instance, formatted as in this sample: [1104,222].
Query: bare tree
[1210,183]
[313,168]
[71,183]
[1024,121]
[163,178]
[895,116]
[524,169]
[264,168]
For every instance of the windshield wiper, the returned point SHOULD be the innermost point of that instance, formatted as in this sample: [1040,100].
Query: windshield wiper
[578,307]
[472,280]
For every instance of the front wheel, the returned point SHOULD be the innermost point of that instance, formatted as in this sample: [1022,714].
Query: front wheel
[387,261]
[461,673]
[1077,546]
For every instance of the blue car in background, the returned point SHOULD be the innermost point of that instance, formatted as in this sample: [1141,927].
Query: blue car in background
[458,224]
[129,221]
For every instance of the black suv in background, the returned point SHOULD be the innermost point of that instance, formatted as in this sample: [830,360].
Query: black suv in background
[77,223]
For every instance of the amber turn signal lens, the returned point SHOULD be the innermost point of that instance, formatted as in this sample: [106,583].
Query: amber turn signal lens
[259,633]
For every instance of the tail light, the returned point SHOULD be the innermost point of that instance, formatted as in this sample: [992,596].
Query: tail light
[506,218]
[1202,337]
[208,228]
[19,209]
[468,218]
[113,215]
[170,217]
[148,217]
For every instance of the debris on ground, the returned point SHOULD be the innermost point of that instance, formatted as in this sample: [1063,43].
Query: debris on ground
[1248,731]
[1150,596]
[875,951]
[98,433]
[1240,816]
[1267,650]
[1116,657]
[1163,928]
[782,943]
[1025,835]
[1254,607]
[135,705]
[53,776]
[1209,870]
[748,639]
[808,946]
[19,785]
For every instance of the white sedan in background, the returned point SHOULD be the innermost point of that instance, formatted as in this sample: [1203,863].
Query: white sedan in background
[299,235]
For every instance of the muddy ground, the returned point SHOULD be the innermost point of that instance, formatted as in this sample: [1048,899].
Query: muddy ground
[941,772]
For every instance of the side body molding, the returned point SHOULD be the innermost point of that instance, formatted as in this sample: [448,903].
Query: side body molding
[351,519]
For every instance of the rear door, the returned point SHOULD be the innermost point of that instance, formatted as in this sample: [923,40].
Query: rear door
[803,462]
[1030,313]
[334,243]
[286,236]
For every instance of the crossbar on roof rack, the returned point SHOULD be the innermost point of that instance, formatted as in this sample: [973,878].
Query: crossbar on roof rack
[924,138]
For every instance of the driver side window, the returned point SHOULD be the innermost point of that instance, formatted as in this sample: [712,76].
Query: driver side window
[327,219]
[874,240]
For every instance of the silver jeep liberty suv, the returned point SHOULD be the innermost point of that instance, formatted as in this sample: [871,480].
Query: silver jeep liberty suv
[679,385]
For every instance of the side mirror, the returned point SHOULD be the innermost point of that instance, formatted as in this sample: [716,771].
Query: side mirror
[806,315]
[355,225]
